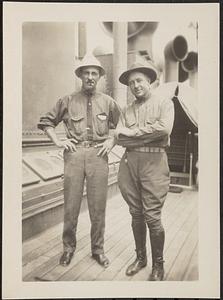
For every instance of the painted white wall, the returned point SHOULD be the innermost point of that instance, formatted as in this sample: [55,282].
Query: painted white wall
[98,38]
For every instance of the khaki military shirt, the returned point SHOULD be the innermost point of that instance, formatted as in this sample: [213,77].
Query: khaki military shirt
[152,121]
[85,116]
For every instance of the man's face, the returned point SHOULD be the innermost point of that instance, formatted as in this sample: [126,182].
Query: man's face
[90,77]
[139,84]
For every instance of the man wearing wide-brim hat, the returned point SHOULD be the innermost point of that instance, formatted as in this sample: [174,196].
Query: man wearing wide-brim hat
[87,116]
[144,173]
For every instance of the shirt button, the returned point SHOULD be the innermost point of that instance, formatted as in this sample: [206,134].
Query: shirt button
[89,103]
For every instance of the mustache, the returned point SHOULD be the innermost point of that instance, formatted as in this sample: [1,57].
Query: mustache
[90,81]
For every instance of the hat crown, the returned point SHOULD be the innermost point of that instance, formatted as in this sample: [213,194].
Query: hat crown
[87,61]
[144,67]
[138,64]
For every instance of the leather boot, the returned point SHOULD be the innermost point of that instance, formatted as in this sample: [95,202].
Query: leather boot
[139,263]
[139,232]
[157,244]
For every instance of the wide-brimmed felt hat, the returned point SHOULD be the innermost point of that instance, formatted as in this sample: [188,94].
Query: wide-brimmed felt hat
[146,68]
[89,60]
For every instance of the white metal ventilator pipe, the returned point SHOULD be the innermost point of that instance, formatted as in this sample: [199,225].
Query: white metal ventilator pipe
[119,61]
[190,65]
[175,51]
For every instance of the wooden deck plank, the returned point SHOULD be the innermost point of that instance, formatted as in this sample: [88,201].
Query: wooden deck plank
[32,246]
[129,254]
[177,242]
[41,239]
[114,252]
[115,268]
[47,264]
[178,222]
[41,255]
[51,253]
[82,233]
[172,224]
[55,253]
[184,256]
[191,272]
[81,253]
[41,250]
[53,257]
[96,273]
[169,208]
[34,265]
[56,231]
[36,273]
[50,248]
[87,262]
[114,255]
[168,211]
[118,264]
[42,243]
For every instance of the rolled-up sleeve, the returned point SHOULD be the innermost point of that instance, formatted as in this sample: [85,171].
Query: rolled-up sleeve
[114,114]
[53,117]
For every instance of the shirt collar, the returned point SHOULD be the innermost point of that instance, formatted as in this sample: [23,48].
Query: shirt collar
[88,93]
[143,100]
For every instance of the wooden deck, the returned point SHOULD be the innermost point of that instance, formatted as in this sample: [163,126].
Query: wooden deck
[180,218]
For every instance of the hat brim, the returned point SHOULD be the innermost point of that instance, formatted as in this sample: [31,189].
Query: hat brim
[78,71]
[151,73]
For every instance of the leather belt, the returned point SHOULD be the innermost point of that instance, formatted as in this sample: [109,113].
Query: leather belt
[146,149]
[88,144]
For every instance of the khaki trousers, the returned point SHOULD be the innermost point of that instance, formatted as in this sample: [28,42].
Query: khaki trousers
[78,166]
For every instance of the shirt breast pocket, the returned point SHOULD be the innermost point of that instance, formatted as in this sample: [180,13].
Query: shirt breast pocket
[101,124]
[77,124]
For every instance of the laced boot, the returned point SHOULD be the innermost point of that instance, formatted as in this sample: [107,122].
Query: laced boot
[157,244]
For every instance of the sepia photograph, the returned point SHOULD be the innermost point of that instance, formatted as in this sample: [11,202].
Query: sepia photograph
[71,173]
[112,152]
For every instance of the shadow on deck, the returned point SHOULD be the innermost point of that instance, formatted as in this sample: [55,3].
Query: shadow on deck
[180,218]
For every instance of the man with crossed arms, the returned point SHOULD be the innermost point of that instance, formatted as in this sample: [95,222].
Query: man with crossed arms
[144,172]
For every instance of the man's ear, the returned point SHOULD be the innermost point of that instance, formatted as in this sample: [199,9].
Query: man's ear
[81,70]
[149,80]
